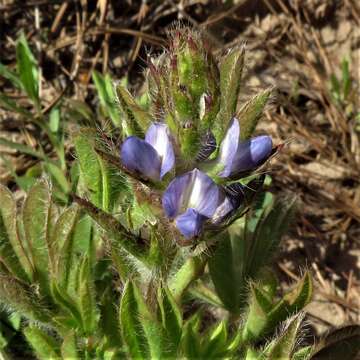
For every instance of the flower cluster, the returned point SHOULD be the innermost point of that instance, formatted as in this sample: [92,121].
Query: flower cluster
[193,198]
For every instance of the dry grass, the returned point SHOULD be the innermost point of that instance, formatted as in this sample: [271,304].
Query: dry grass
[296,48]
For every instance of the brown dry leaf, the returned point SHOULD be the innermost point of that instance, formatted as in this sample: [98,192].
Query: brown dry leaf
[102,5]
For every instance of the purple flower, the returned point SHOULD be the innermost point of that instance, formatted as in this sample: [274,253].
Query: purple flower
[193,198]
[239,156]
[152,157]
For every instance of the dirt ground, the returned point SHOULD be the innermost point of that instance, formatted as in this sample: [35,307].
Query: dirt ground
[298,46]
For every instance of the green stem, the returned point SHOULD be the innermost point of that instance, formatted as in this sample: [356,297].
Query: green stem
[192,269]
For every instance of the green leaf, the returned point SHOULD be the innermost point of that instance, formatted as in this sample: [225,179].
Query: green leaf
[251,112]
[215,341]
[69,349]
[271,226]
[292,302]
[11,105]
[25,149]
[66,303]
[24,182]
[303,353]
[200,291]
[86,295]
[27,69]
[343,343]
[335,87]
[89,164]
[229,259]
[231,68]
[108,320]
[119,235]
[141,332]
[132,111]
[102,179]
[45,346]
[190,341]
[37,221]
[12,252]
[264,316]
[104,86]
[58,177]
[19,296]
[257,319]
[346,79]
[54,120]
[283,346]
[63,243]
[170,315]
[301,295]
[10,75]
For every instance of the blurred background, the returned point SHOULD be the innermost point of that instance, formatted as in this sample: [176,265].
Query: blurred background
[308,49]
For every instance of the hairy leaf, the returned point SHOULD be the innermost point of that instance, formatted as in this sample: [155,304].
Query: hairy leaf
[229,259]
[107,96]
[141,332]
[170,315]
[12,252]
[38,223]
[231,68]
[45,346]
[251,112]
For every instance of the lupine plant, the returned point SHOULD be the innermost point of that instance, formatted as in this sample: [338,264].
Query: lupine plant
[165,251]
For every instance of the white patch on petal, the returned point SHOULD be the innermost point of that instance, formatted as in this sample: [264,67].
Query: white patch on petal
[229,146]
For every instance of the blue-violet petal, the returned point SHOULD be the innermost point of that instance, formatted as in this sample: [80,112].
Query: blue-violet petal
[158,136]
[138,155]
[190,223]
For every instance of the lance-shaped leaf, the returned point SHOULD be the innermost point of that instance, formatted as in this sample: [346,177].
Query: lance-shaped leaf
[89,164]
[101,178]
[293,301]
[270,228]
[21,297]
[87,297]
[63,241]
[264,316]
[251,354]
[9,104]
[214,342]
[105,88]
[114,229]
[10,75]
[171,316]
[142,334]
[303,353]
[38,221]
[27,69]
[257,319]
[69,306]
[44,345]
[343,343]
[231,68]
[132,111]
[251,112]
[69,348]
[12,252]
[108,322]
[229,259]
[190,340]
[234,343]
[283,346]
